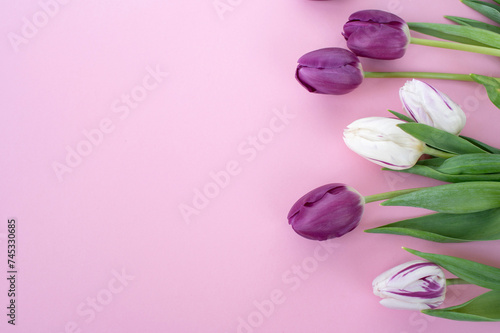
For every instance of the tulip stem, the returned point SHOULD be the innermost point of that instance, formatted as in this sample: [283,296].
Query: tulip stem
[456,46]
[437,153]
[389,195]
[419,75]
[450,282]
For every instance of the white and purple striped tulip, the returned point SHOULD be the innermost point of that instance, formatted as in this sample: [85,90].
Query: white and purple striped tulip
[415,285]
[381,141]
[377,34]
[427,105]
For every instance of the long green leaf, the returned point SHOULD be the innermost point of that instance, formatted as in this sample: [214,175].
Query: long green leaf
[432,162]
[473,272]
[485,307]
[482,145]
[474,23]
[430,171]
[471,164]
[492,86]
[402,116]
[448,228]
[440,139]
[457,198]
[458,33]
[489,10]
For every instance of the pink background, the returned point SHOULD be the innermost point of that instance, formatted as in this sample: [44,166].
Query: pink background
[234,264]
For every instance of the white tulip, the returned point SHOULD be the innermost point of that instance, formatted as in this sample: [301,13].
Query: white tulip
[427,105]
[415,285]
[381,141]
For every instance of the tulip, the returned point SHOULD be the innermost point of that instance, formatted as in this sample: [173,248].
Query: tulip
[415,285]
[327,212]
[381,141]
[333,71]
[338,71]
[377,34]
[429,106]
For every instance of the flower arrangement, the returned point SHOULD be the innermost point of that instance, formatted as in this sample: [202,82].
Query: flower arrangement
[426,142]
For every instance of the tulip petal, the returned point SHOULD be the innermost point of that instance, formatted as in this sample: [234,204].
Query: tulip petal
[381,141]
[427,105]
[326,212]
[396,304]
[332,71]
[413,285]
[376,34]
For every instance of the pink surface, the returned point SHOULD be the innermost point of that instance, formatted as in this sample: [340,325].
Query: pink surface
[163,100]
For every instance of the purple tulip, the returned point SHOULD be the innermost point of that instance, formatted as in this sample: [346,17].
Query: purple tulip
[377,34]
[332,71]
[327,212]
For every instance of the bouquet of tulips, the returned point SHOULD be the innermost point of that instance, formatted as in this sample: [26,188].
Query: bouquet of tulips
[425,141]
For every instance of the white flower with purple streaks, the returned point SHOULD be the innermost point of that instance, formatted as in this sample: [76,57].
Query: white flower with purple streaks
[427,105]
[415,285]
[381,141]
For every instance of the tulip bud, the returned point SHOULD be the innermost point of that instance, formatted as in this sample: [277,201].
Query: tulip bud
[381,141]
[333,71]
[429,106]
[415,285]
[327,212]
[377,34]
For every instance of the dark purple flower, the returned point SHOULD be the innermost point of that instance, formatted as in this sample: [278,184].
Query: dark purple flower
[327,212]
[332,70]
[377,34]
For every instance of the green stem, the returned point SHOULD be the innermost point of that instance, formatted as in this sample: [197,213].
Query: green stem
[437,153]
[419,75]
[389,195]
[456,46]
[450,282]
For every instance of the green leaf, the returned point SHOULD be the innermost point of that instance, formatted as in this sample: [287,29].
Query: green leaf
[473,272]
[433,162]
[440,139]
[471,164]
[485,307]
[457,198]
[492,86]
[402,116]
[430,171]
[474,23]
[489,10]
[482,145]
[458,33]
[448,228]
